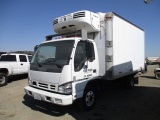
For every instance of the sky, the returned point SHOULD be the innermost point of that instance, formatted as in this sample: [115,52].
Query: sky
[25,23]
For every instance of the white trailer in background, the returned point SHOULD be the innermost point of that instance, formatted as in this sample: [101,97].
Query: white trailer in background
[92,47]
[152,60]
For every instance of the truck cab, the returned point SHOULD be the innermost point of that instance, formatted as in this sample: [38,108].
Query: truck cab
[65,62]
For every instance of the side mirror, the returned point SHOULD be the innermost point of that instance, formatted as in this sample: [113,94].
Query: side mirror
[35,48]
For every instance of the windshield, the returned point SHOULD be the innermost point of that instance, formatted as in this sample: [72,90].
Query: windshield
[53,53]
[9,58]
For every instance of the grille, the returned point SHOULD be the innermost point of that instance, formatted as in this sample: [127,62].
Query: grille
[45,86]
[42,85]
[79,14]
[52,87]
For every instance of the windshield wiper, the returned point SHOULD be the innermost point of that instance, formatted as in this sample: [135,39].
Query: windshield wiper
[39,64]
[53,62]
[59,66]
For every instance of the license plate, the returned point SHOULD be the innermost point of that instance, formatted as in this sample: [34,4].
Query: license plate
[37,96]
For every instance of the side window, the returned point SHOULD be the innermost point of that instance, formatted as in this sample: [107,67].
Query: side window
[8,58]
[92,53]
[22,58]
[80,56]
[29,58]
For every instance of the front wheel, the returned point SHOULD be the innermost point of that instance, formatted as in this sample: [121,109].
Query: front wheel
[157,75]
[3,79]
[89,98]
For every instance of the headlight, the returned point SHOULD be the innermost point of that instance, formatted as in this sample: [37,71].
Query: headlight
[65,88]
[29,80]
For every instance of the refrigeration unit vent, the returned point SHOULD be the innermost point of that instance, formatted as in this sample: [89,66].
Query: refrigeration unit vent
[79,14]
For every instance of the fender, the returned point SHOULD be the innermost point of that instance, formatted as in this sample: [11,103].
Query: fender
[80,85]
[157,69]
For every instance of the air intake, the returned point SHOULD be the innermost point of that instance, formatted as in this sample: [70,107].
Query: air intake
[79,14]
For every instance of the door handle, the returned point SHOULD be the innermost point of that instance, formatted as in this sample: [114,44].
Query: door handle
[21,63]
[94,71]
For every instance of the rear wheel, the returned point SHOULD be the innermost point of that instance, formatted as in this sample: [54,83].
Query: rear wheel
[3,79]
[129,82]
[157,75]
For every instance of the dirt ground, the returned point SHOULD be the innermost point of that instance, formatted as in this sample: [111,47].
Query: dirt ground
[116,103]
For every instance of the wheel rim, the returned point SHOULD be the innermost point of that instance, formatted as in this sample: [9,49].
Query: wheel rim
[90,98]
[2,79]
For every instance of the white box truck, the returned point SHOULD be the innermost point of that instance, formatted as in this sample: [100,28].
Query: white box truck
[91,47]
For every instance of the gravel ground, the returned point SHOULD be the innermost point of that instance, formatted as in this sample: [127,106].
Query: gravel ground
[116,103]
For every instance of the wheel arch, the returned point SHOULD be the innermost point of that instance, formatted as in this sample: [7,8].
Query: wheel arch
[157,71]
[157,74]
[4,70]
[93,82]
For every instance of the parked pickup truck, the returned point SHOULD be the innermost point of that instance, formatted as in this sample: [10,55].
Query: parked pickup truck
[13,64]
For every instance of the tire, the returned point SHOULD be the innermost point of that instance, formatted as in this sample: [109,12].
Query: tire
[3,79]
[129,82]
[89,99]
[157,75]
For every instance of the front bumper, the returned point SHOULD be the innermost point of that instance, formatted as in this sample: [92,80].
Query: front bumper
[48,96]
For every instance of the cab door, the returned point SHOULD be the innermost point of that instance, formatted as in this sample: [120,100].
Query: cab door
[84,67]
[80,61]
[23,64]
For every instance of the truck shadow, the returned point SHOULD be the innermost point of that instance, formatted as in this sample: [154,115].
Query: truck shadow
[141,103]
[48,108]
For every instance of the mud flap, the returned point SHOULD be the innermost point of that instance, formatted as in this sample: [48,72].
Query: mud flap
[136,80]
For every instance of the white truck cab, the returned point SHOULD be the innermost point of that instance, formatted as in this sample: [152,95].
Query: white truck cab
[65,64]
[69,68]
